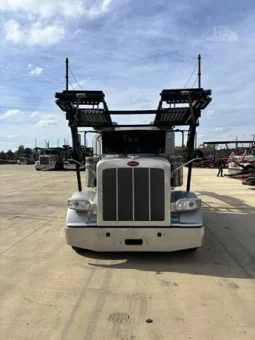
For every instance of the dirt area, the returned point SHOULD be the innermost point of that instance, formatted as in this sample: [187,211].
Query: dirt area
[48,291]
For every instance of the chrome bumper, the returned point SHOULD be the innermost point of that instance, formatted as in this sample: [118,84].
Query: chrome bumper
[135,239]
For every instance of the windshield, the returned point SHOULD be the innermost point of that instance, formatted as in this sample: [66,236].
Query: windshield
[134,141]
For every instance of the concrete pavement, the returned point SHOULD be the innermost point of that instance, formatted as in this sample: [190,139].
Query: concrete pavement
[48,291]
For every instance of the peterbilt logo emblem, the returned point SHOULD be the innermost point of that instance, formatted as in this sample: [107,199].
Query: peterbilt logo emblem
[133,163]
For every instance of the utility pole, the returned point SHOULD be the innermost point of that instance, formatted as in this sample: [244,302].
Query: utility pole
[199,71]
[58,142]
[67,75]
[191,137]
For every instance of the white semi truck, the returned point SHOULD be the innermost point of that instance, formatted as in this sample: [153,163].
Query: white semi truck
[130,203]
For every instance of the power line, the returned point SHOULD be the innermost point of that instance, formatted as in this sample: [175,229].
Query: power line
[191,75]
[195,82]
[75,78]
[71,85]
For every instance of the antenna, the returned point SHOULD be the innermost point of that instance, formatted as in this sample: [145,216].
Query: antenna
[199,71]
[67,76]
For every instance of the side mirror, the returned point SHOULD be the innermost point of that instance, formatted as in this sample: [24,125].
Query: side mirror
[197,154]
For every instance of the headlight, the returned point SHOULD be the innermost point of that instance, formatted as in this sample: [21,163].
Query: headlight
[82,205]
[188,204]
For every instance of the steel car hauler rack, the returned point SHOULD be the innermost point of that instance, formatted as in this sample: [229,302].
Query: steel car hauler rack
[132,205]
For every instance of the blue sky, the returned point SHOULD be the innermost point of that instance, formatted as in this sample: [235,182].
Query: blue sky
[131,50]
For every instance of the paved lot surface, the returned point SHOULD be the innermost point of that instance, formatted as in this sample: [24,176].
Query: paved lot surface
[48,291]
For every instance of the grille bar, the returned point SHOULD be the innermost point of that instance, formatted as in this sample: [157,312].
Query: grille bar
[133,194]
[125,194]
[109,195]
[157,186]
[44,160]
[141,194]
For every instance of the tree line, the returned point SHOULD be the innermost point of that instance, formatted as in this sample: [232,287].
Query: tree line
[14,155]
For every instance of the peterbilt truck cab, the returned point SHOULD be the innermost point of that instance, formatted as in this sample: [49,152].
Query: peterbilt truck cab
[134,198]
[130,202]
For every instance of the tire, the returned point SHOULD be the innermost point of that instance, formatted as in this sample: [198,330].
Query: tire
[211,165]
[59,166]
[77,249]
[192,250]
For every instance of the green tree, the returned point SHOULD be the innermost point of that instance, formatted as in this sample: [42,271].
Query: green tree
[9,154]
[21,149]
[2,155]
[28,151]
[16,155]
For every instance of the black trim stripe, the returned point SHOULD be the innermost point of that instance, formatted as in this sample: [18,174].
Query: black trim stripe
[109,194]
[125,194]
[141,194]
[157,195]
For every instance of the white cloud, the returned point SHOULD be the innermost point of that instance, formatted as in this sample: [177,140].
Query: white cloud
[106,4]
[47,120]
[37,71]
[98,8]
[33,35]
[12,136]
[208,113]
[34,71]
[34,114]
[140,99]
[48,8]
[46,123]
[49,116]
[77,86]
[126,69]
[10,113]
[220,130]
[43,115]
[45,8]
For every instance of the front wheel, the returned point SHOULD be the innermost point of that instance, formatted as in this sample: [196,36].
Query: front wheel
[77,249]
[211,165]
[191,250]
[59,166]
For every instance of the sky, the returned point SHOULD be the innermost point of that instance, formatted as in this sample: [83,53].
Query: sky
[129,49]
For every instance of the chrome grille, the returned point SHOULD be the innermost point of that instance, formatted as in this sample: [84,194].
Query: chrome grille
[44,160]
[133,194]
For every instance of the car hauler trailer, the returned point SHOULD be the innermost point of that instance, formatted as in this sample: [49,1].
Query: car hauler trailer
[132,204]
